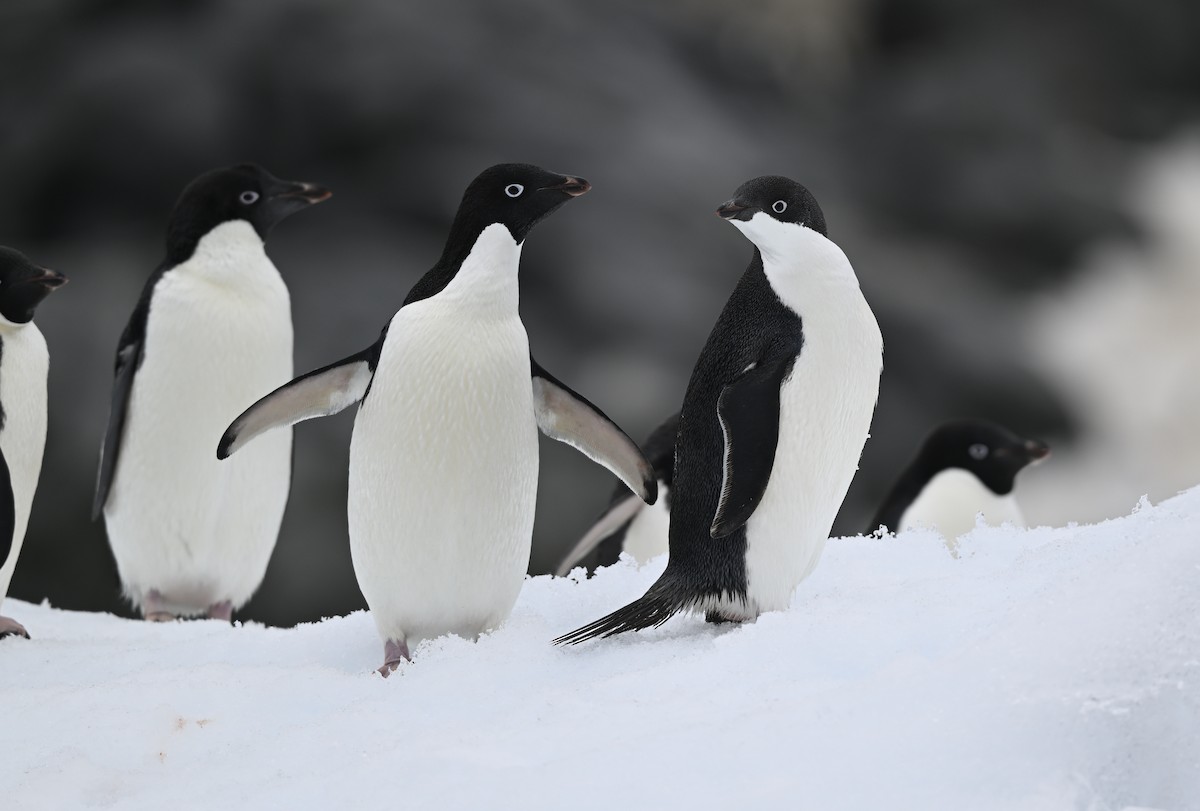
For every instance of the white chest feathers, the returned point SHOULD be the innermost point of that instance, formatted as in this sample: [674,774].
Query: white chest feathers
[953,499]
[826,406]
[24,363]
[218,335]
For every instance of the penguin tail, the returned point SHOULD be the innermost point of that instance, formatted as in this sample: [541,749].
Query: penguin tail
[651,610]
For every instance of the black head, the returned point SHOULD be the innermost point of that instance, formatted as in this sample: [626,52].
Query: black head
[516,195]
[994,454]
[23,285]
[246,192]
[778,197]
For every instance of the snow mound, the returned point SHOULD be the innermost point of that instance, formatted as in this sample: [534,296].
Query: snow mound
[1040,669]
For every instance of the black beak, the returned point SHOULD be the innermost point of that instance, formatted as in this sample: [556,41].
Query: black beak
[309,193]
[50,279]
[734,210]
[1036,451]
[574,186]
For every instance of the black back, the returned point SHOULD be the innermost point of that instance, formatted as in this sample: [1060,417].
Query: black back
[754,325]
[489,200]
[245,192]
[992,453]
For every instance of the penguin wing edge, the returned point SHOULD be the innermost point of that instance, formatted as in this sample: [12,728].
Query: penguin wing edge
[8,511]
[748,410]
[617,516]
[320,393]
[564,415]
[129,357]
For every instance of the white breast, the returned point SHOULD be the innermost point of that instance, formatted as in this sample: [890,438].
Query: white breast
[826,407]
[218,337]
[952,500]
[24,363]
[649,532]
[444,459]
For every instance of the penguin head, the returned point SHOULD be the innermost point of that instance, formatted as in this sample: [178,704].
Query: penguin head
[768,206]
[23,285]
[993,454]
[246,192]
[516,195]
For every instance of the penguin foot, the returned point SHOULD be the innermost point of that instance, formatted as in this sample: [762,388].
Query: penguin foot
[221,611]
[10,627]
[154,608]
[393,654]
[719,619]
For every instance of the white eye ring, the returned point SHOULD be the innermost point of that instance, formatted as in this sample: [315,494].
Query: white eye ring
[978,451]
[248,198]
[779,206]
[514,189]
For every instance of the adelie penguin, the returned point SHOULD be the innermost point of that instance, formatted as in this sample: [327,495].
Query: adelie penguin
[444,454]
[211,331]
[627,524]
[24,363]
[963,470]
[773,422]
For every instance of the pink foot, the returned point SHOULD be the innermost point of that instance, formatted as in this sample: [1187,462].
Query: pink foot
[154,608]
[10,627]
[221,611]
[393,654]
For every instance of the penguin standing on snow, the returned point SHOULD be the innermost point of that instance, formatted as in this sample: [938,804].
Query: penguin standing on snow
[444,454]
[963,470]
[625,526]
[773,422]
[24,363]
[212,330]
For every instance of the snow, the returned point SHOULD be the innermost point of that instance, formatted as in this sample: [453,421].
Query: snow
[1038,669]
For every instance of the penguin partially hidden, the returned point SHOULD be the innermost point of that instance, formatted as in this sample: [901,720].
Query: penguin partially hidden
[444,454]
[24,363]
[627,524]
[211,331]
[773,422]
[963,470]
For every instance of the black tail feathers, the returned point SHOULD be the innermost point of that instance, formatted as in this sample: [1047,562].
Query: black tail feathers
[651,610]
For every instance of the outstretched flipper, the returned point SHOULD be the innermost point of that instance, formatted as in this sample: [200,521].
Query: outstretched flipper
[319,393]
[748,409]
[564,415]
[606,537]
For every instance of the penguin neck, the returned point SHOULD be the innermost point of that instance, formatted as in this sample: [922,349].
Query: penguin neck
[486,279]
[226,255]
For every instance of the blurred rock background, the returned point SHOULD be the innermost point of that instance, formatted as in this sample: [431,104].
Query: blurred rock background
[1016,184]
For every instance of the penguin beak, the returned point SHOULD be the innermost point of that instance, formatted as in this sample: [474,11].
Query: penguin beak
[310,193]
[50,279]
[1036,451]
[574,186]
[735,210]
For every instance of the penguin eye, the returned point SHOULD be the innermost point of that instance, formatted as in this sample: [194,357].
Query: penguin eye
[779,206]
[248,198]
[514,189]
[978,451]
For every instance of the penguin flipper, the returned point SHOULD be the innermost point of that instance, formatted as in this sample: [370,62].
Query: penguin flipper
[748,409]
[129,358]
[320,393]
[8,511]
[617,516]
[564,415]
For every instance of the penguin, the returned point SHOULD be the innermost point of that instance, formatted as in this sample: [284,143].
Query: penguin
[24,363]
[211,330]
[773,422]
[444,454]
[964,469]
[624,526]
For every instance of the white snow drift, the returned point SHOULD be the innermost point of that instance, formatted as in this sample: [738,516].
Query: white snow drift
[1041,669]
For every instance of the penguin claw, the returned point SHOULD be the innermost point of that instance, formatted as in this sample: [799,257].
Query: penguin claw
[394,653]
[158,616]
[10,627]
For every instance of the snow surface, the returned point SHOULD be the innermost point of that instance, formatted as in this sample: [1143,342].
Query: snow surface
[1040,669]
